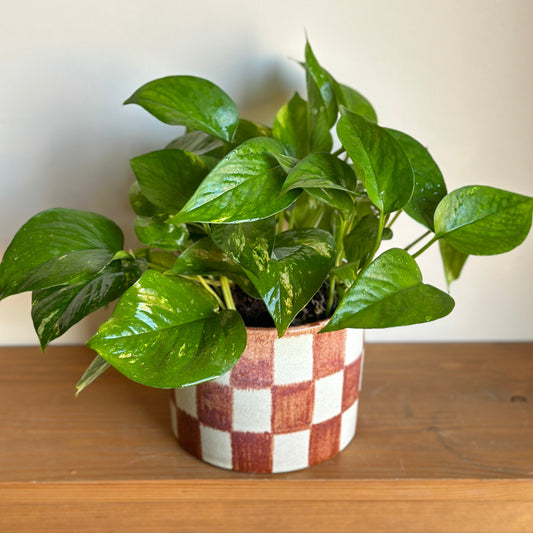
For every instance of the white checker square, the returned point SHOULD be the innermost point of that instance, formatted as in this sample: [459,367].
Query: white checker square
[252,410]
[348,424]
[328,397]
[291,451]
[186,400]
[216,446]
[293,359]
[354,345]
[223,379]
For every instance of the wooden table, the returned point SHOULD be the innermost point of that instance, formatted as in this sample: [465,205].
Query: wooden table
[444,443]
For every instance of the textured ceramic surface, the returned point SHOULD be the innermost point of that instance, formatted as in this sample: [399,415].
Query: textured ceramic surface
[287,404]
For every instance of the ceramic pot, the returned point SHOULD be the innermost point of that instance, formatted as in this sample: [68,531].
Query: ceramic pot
[287,404]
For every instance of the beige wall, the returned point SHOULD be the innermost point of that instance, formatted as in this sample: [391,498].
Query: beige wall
[457,75]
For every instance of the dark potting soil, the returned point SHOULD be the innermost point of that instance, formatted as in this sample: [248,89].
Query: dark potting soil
[256,315]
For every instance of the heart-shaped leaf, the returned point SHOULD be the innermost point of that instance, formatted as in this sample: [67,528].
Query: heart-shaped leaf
[300,262]
[290,127]
[155,231]
[168,332]
[379,161]
[58,246]
[168,178]
[57,309]
[481,220]
[325,177]
[390,293]
[429,188]
[189,101]
[249,244]
[453,261]
[243,187]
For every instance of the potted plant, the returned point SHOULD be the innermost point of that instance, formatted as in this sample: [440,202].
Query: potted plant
[262,240]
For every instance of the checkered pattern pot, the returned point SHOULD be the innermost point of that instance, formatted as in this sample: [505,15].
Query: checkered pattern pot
[287,404]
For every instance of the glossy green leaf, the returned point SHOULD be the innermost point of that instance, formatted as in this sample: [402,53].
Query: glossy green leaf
[321,95]
[98,366]
[248,129]
[359,243]
[481,220]
[139,203]
[56,309]
[168,332]
[300,262]
[286,162]
[290,127]
[205,258]
[168,178]
[249,244]
[189,101]
[390,293]
[353,100]
[58,246]
[243,187]
[379,161]
[199,143]
[453,261]
[155,231]
[429,187]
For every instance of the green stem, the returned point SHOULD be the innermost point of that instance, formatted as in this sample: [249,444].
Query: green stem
[416,241]
[381,225]
[226,291]
[393,220]
[338,152]
[209,289]
[425,247]
[340,234]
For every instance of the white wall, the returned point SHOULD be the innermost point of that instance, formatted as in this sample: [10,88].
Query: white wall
[457,75]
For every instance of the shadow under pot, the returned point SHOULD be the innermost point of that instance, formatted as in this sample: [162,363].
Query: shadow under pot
[287,404]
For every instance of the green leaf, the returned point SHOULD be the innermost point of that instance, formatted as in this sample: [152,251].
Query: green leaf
[199,143]
[249,130]
[57,309]
[189,101]
[359,243]
[139,203]
[95,370]
[300,262]
[243,187]
[353,100]
[390,293]
[325,177]
[168,178]
[205,258]
[321,95]
[155,231]
[453,261]
[290,127]
[481,220]
[58,246]
[429,188]
[168,332]
[249,244]
[286,162]
[379,161]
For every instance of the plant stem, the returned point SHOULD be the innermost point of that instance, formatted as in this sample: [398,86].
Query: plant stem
[416,241]
[393,220]
[226,291]
[425,247]
[209,289]
[381,225]
[338,152]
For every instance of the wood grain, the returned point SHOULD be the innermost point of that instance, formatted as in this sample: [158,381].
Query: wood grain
[444,443]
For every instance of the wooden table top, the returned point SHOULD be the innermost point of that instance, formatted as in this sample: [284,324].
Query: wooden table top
[444,443]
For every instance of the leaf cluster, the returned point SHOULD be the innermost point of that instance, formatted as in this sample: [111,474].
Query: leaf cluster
[278,211]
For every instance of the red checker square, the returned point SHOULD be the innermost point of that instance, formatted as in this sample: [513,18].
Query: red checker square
[252,452]
[255,368]
[189,433]
[214,404]
[292,407]
[328,353]
[325,440]
[350,390]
